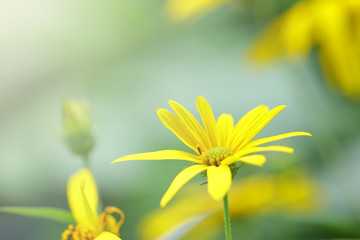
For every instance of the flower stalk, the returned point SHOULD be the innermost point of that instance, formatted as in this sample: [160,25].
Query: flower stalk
[227,218]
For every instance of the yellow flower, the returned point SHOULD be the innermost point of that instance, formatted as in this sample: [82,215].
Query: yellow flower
[291,193]
[331,26]
[83,201]
[181,10]
[218,146]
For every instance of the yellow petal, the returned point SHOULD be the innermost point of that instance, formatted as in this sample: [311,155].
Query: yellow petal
[245,123]
[191,123]
[257,127]
[207,118]
[257,160]
[247,151]
[176,125]
[219,181]
[183,177]
[337,38]
[287,35]
[181,10]
[83,198]
[224,128]
[268,44]
[296,34]
[275,138]
[107,236]
[161,155]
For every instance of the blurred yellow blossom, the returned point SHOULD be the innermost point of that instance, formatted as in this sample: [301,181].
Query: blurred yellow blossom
[290,192]
[181,10]
[78,127]
[219,145]
[330,26]
[83,202]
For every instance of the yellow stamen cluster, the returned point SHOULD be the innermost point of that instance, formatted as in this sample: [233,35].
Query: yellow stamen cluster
[77,233]
[214,156]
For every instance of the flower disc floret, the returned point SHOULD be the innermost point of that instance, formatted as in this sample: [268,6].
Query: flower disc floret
[215,155]
[77,233]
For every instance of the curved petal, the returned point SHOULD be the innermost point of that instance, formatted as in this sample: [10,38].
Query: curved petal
[161,155]
[256,128]
[219,181]
[83,198]
[224,127]
[245,123]
[275,138]
[207,118]
[191,123]
[174,124]
[107,236]
[183,177]
[247,151]
[256,159]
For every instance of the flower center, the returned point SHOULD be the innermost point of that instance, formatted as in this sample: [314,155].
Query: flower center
[214,156]
[77,233]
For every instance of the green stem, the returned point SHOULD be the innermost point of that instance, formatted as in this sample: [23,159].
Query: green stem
[227,218]
[86,161]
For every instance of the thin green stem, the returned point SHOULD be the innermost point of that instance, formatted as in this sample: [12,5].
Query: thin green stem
[227,218]
[86,161]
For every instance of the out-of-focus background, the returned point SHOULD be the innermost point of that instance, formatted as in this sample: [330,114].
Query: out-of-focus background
[128,58]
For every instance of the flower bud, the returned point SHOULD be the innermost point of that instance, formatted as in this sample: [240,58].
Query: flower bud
[78,127]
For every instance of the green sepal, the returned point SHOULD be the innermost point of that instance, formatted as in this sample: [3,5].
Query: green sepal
[235,168]
[50,213]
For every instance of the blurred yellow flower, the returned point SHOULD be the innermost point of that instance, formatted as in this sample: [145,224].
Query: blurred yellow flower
[331,26]
[83,201]
[78,134]
[218,147]
[181,10]
[258,194]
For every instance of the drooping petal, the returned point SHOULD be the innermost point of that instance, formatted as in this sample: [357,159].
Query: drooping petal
[287,35]
[256,128]
[256,159]
[191,123]
[107,236]
[219,181]
[224,127]
[161,155]
[83,198]
[183,177]
[275,138]
[247,151]
[245,123]
[176,125]
[339,47]
[207,118]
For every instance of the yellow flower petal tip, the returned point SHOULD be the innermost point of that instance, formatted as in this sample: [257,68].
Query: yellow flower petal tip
[217,144]
[219,181]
